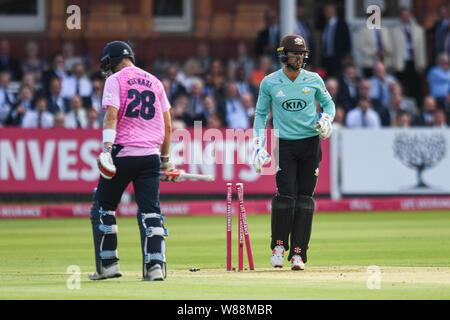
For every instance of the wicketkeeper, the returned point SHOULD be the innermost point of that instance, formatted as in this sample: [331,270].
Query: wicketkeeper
[292,93]
[136,140]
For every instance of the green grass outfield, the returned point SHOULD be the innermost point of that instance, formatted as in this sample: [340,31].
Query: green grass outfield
[412,250]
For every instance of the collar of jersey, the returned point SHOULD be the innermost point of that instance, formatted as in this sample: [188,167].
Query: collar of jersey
[286,79]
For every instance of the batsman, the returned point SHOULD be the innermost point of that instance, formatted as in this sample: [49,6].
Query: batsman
[136,143]
[292,93]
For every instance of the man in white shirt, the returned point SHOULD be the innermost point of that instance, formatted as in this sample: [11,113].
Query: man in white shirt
[39,117]
[236,115]
[363,116]
[77,84]
[379,85]
[410,57]
[92,119]
[77,117]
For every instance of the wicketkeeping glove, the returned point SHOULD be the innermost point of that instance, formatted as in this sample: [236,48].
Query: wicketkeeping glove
[324,125]
[106,165]
[260,157]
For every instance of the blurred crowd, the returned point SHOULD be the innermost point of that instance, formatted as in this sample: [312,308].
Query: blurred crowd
[392,83]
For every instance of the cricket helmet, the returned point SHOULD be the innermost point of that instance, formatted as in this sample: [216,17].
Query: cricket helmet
[113,53]
[292,43]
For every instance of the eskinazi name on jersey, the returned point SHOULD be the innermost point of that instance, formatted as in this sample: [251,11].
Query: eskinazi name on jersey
[294,105]
[140,81]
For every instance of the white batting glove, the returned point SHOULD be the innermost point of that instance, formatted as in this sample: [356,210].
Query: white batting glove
[166,164]
[106,165]
[324,125]
[260,157]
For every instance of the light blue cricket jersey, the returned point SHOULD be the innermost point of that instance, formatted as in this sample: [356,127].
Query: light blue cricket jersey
[293,104]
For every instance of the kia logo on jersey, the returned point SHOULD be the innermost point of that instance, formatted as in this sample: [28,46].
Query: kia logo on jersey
[294,105]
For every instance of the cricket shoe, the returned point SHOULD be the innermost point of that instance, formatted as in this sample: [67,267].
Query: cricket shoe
[297,262]
[277,259]
[111,271]
[154,273]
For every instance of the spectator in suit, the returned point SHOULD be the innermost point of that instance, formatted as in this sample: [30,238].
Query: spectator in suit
[363,116]
[426,116]
[178,110]
[166,85]
[332,85]
[33,63]
[55,100]
[176,88]
[404,119]
[447,44]
[302,29]
[374,45]
[242,83]
[439,32]
[195,106]
[92,119]
[339,118]
[190,72]
[395,110]
[70,58]
[248,102]
[77,84]
[217,68]
[20,107]
[379,85]
[364,90]
[407,104]
[440,119]
[214,121]
[236,115]
[409,60]
[439,79]
[59,120]
[39,117]
[243,59]
[267,40]
[209,108]
[9,63]
[208,85]
[95,100]
[57,71]
[7,98]
[348,88]
[30,80]
[203,56]
[230,72]
[336,43]
[219,88]
[76,118]
[162,63]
